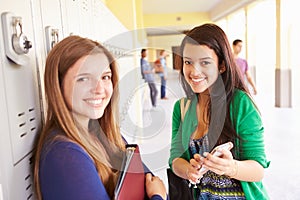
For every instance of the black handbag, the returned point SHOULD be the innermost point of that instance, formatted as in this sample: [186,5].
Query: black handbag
[178,187]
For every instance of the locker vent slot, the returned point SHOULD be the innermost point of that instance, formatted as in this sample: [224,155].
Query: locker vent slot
[25,125]
[21,114]
[22,124]
[29,180]
[29,197]
[23,134]
[85,5]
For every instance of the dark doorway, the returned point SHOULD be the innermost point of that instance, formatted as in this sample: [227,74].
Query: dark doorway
[175,55]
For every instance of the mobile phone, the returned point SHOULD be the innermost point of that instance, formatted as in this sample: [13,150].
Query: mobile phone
[216,152]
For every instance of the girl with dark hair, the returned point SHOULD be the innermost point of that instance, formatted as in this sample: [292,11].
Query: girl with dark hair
[221,110]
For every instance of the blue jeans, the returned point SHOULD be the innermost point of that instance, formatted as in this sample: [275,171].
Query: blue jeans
[163,87]
[153,93]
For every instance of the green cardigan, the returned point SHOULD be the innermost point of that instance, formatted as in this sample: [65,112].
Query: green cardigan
[248,124]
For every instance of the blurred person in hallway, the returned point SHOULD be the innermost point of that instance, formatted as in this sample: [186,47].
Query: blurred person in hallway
[163,75]
[220,110]
[148,74]
[80,149]
[242,63]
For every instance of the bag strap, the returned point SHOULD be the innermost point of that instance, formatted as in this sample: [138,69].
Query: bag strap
[184,107]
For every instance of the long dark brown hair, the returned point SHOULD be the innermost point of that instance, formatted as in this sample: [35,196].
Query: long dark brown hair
[58,117]
[222,91]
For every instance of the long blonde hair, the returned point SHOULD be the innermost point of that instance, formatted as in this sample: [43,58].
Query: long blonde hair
[60,59]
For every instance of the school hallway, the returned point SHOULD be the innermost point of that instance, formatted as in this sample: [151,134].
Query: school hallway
[282,140]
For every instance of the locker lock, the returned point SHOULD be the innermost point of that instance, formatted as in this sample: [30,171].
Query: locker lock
[55,39]
[52,37]
[20,43]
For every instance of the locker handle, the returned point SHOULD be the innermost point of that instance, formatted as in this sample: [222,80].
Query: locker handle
[21,44]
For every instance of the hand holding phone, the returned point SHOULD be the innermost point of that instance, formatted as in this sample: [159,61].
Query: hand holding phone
[217,152]
[217,149]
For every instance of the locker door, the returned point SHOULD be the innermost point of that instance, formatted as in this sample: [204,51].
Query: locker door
[85,8]
[51,23]
[20,103]
[97,23]
[77,17]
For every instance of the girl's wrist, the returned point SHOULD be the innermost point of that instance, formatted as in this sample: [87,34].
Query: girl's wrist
[187,173]
[234,169]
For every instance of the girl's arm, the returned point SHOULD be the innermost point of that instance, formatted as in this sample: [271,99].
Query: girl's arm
[67,172]
[250,150]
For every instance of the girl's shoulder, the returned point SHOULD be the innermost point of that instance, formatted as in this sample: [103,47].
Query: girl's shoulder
[239,93]
[183,101]
[240,96]
[243,104]
[59,144]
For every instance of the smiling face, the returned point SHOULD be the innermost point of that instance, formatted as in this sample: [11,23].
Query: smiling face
[200,67]
[87,87]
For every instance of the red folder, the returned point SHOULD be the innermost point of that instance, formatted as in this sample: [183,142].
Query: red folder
[131,182]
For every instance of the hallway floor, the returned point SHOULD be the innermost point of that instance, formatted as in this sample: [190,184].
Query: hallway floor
[282,140]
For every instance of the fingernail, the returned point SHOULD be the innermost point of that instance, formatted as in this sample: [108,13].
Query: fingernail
[205,154]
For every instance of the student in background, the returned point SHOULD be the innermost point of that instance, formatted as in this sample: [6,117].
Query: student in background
[242,63]
[163,75]
[221,110]
[148,74]
[79,151]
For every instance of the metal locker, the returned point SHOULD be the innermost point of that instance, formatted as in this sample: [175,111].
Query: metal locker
[51,23]
[20,100]
[70,16]
[28,31]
